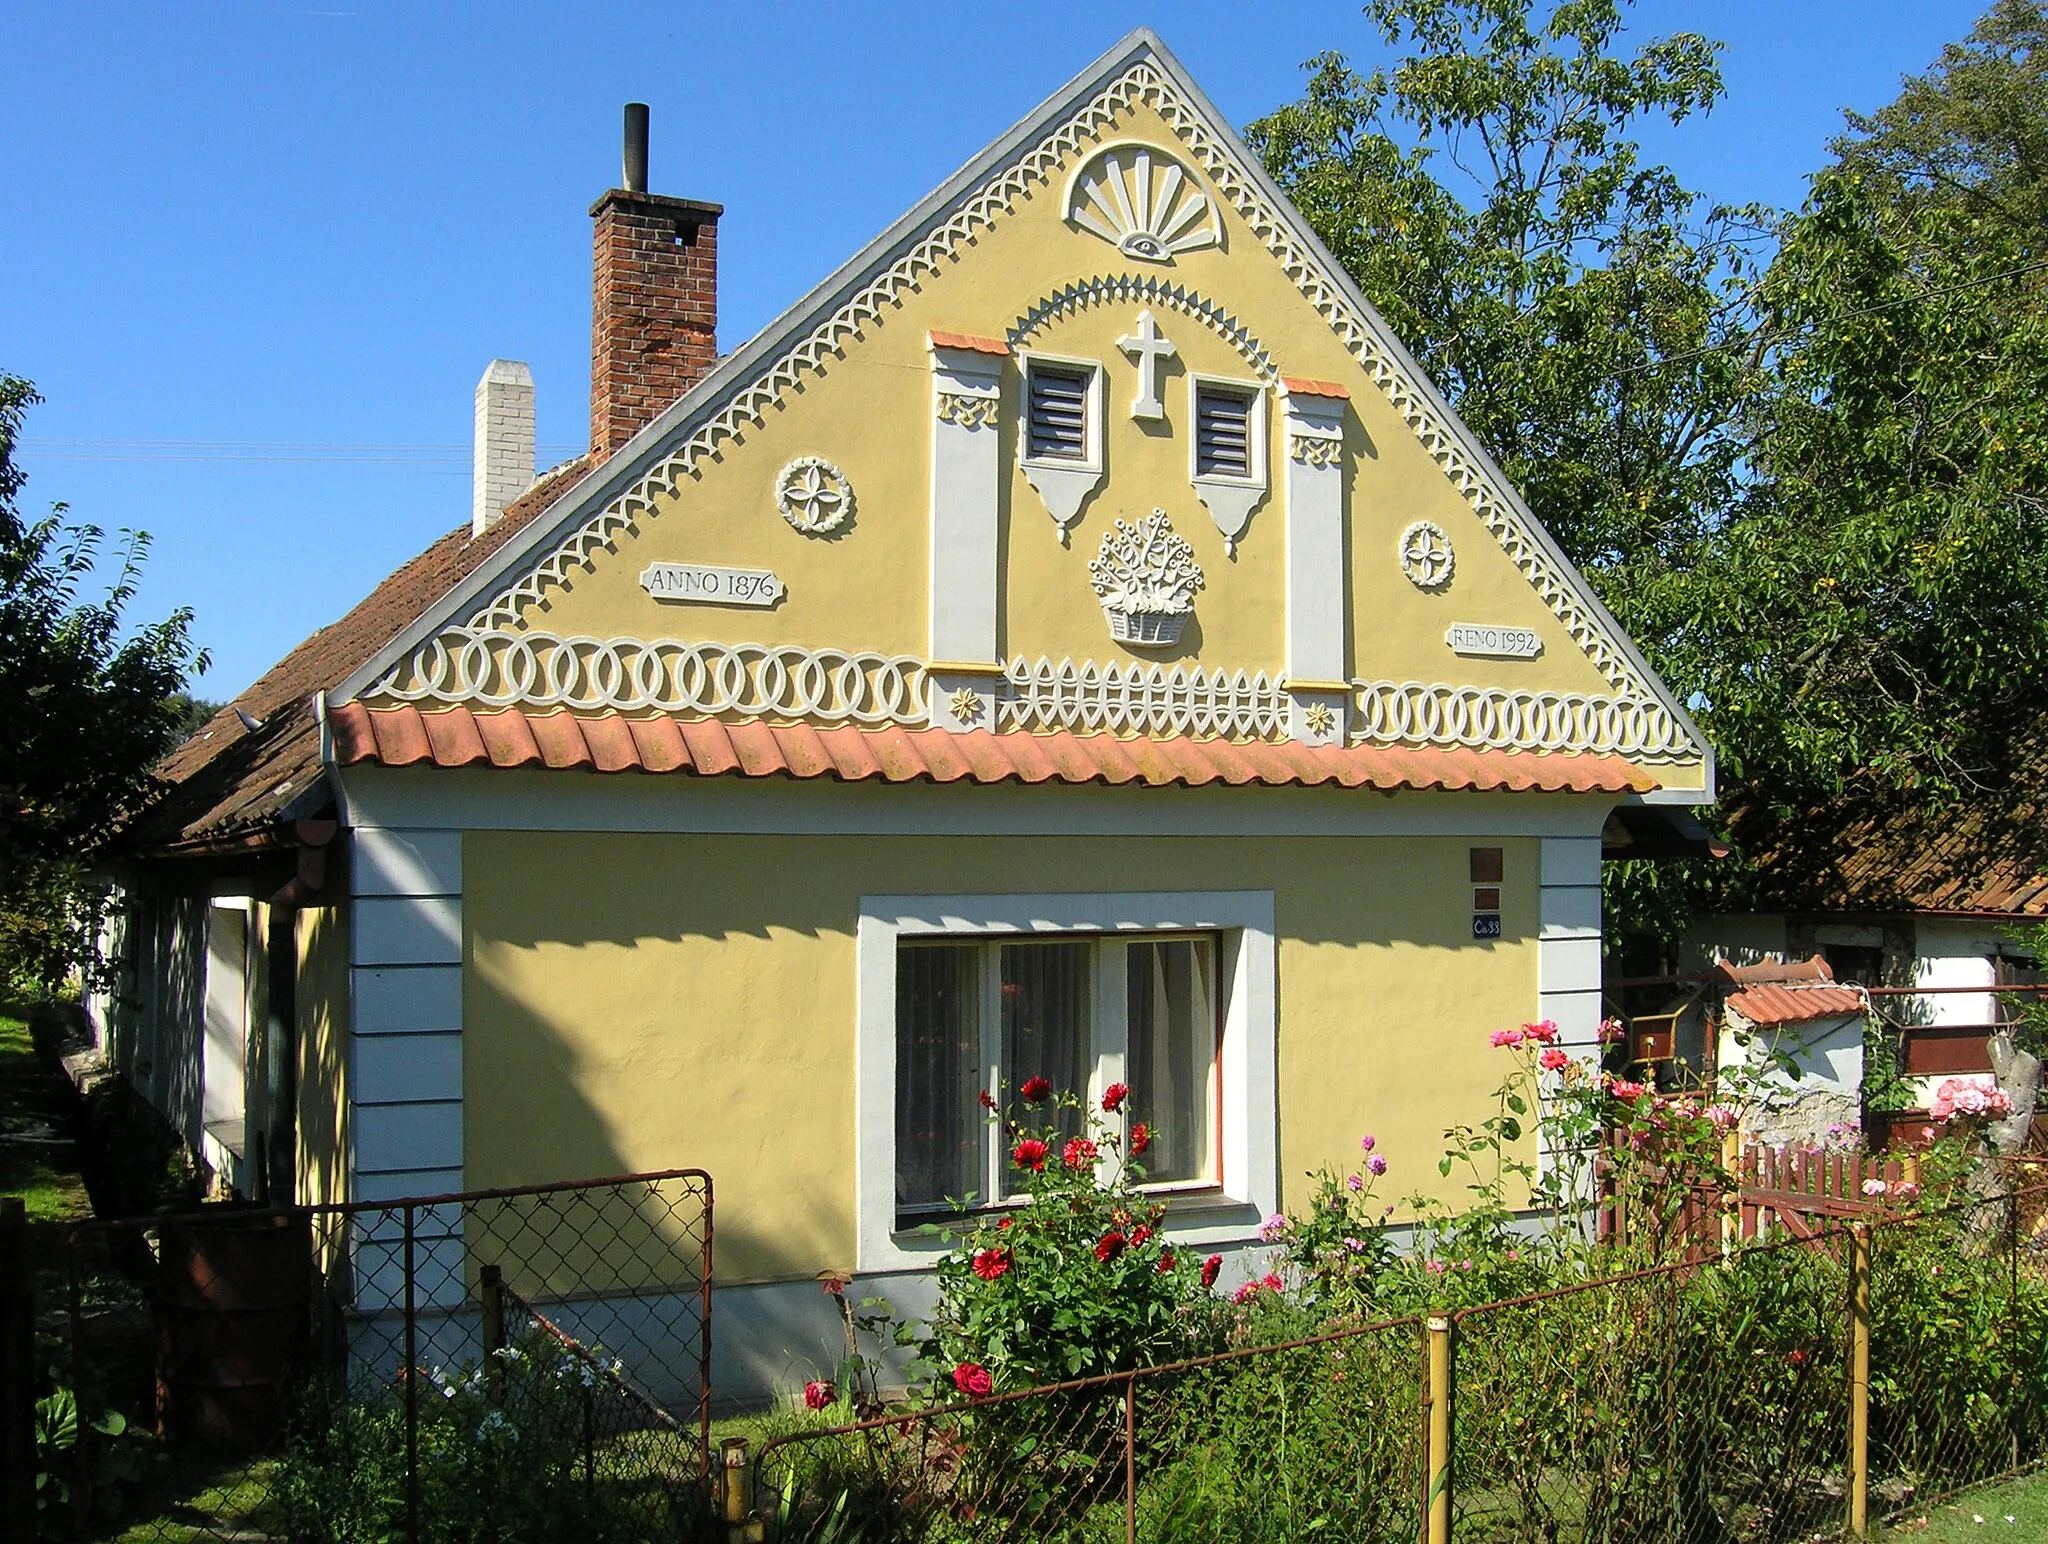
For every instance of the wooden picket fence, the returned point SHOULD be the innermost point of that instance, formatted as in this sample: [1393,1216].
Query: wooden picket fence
[1781,1192]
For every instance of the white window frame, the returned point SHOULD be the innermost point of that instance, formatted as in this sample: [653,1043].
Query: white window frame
[1256,391]
[1216,1215]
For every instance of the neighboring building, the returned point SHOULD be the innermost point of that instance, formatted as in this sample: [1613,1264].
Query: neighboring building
[1074,640]
[1903,891]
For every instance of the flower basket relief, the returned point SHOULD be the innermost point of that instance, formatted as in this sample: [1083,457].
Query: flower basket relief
[1146,577]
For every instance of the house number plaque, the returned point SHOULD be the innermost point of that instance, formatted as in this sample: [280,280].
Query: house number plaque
[1490,642]
[713,586]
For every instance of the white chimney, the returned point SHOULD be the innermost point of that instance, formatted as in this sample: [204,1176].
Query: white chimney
[504,441]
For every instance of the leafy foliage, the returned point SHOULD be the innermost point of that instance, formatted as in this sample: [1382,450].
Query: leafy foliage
[90,704]
[1077,1281]
[1574,303]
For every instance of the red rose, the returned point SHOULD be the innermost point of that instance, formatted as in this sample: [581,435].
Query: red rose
[991,1264]
[1167,1261]
[973,1380]
[1006,1222]
[1079,1153]
[1211,1269]
[819,1395]
[1109,1246]
[986,1099]
[1113,1097]
[1034,1089]
[1141,1138]
[1029,1154]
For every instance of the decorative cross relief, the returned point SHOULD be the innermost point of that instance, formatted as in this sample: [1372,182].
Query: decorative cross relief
[1149,350]
[1426,556]
[814,496]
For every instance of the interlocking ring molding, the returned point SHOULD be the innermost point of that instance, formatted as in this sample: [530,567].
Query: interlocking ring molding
[1140,698]
[1481,718]
[931,257]
[540,670]
[480,668]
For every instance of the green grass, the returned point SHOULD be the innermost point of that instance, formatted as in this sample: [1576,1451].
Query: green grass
[33,1100]
[2017,1510]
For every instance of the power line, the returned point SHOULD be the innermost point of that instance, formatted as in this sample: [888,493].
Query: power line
[57,448]
[1839,316]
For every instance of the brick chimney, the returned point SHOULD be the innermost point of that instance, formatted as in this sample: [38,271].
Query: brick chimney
[654,300]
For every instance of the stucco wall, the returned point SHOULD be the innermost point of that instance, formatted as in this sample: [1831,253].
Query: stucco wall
[643,1001]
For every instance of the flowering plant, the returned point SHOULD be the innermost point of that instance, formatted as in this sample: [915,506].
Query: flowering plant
[1075,1280]
[1339,1244]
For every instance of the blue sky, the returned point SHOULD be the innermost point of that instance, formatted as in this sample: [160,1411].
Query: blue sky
[310,225]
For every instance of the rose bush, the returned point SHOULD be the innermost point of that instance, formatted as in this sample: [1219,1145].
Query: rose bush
[1075,1279]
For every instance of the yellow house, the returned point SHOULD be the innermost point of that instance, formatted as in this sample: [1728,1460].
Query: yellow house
[1074,640]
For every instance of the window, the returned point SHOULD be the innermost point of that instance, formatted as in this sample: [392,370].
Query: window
[1082,1013]
[1057,420]
[1172,992]
[1223,431]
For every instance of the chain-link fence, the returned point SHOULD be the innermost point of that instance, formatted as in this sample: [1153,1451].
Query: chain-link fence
[1683,1403]
[1319,1438]
[1772,1392]
[413,1369]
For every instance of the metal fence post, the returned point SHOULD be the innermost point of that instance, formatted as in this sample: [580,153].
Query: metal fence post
[1437,1502]
[412,1392]
[1859,1379]
[490,1288]
[1131,1459]
[17,1378]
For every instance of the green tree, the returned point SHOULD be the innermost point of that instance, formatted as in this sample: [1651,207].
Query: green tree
[1582,310]
[1971,134]
[89,703]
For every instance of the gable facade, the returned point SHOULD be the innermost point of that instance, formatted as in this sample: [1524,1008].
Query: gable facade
[985,672]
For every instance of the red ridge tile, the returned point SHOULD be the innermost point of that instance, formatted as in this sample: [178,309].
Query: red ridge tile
[508,738]
[454,738]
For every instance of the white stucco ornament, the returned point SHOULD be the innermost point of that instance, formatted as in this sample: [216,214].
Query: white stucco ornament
[1148,349]
[814,496]
[1143,202]
[1426,556]
[1146,577]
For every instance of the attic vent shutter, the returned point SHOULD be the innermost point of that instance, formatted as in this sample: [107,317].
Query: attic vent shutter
[1059,413]
[1223,432]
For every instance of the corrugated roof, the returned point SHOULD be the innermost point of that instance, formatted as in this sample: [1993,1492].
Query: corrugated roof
[459,737]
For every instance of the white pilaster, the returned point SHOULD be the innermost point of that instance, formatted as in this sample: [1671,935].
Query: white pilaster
[967,375]
[405,1049]
[1316,674]
[1568,942]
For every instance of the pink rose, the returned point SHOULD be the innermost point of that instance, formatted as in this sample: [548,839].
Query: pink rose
[1554,1060]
